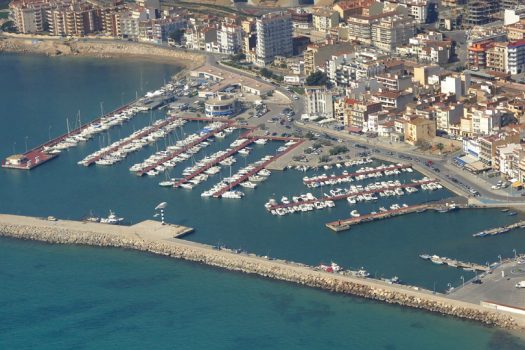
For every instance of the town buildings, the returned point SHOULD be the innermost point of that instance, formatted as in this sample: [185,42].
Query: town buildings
[274,37]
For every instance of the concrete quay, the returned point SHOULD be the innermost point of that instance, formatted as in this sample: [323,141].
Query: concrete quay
[152,237]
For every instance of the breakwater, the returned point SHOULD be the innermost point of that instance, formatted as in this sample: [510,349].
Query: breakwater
[151,237]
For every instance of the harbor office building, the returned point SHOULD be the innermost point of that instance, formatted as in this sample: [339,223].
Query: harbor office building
[221,106]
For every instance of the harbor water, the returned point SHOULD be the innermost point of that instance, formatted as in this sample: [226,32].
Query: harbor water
[42,92]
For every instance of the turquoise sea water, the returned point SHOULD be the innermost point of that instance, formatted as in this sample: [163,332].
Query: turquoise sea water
[38,93]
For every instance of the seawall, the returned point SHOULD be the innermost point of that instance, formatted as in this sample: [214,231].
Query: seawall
[146,237]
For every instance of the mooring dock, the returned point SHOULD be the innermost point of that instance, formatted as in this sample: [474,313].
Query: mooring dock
[469,266]
[38,156]
[214,162]
[185,148]
[142,134]
[346,195]
[318,179]
[258,168]
[500,230]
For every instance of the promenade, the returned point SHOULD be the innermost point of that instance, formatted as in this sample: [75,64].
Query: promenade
[152,237]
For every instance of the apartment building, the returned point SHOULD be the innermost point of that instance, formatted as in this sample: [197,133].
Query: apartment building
[229,38]
[393,31]
[319,102]
[274,37]
[324,19]
[29,16]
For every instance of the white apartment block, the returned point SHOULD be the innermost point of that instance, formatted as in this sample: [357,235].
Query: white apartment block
[274,37]
[229,39]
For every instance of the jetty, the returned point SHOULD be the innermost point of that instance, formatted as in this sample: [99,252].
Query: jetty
[469,266]
[154,238]
[214,162]
[500,230]
[346,224]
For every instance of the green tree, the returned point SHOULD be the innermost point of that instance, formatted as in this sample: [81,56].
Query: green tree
[176,36]
[266,73]
[317,78]
[9,27]
[238,57]
[324,159]
[338,150]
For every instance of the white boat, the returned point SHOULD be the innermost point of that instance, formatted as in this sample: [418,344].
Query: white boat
[355,214]
[112,219]
[167,183]
[248,184]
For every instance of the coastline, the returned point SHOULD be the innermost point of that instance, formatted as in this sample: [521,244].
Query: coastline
[142,238]
[99,48]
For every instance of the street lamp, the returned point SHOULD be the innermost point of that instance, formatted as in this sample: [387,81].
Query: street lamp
[161,208]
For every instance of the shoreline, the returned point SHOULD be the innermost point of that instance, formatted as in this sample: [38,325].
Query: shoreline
[142,237]
[99,48]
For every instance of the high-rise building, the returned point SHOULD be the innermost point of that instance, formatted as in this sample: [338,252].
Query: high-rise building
[229,38]
[274,37]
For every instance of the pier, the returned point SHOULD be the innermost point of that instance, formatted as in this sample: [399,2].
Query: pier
[469,266]
[343,177]
[38,155]
[214,162]
[500,230]
[172,155]
[256,169]
[346,224]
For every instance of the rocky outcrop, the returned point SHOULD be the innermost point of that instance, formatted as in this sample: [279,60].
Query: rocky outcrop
[98,48]
[280,270]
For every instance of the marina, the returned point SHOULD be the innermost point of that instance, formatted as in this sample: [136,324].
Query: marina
[468,266]
[500,230]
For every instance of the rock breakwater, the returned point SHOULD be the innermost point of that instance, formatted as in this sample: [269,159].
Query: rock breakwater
[108,236]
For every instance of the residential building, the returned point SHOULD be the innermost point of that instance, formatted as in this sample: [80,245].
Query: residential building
[497,57]
[392,31]
[358,112]
[477,54]
[480,12]
[317,55]
[229,39]
[419,130]
[488,145]
[301,19]
[394,82]
[452,85]
[393,99]
[319,102]
[274,37]
[346,8]
[29,16]
[516,57]
[447,116]
[485,121]
[324,20]
[516,31]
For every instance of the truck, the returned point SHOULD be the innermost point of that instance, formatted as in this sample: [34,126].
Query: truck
[520,284]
